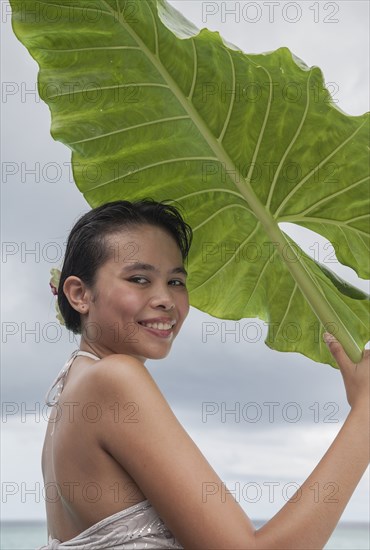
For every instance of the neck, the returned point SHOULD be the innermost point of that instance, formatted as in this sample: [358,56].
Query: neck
[101,351]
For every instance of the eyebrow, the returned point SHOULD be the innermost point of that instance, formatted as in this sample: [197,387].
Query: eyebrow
[148,267]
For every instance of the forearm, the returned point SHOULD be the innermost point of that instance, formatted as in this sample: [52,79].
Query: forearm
[310,516]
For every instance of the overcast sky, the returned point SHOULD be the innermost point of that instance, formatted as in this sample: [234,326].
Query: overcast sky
[260,443]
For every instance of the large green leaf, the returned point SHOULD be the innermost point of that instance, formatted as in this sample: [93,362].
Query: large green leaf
[152,107]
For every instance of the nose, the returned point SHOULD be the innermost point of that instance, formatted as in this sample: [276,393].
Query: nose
[163,298]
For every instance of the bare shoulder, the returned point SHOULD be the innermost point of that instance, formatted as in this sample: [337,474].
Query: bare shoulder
[126,363]
[141,432]
[128,397]
[121,376]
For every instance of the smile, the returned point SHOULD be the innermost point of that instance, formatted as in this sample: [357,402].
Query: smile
[159,329]
[158,326]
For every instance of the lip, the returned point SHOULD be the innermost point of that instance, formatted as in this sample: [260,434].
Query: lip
[165,334]
[159,320]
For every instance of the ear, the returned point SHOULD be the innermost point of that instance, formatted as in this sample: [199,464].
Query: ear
[77,294]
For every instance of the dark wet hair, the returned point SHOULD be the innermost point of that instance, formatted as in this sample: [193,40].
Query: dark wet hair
[86,246]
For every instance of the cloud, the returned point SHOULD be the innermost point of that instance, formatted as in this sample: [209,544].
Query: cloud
[204,370]
[263,468]
[327,35]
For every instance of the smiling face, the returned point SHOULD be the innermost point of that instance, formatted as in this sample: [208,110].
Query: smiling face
[139,301]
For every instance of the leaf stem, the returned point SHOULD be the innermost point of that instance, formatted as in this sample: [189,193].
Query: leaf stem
[313,294]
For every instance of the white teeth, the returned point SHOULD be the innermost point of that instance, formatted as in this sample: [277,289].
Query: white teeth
[158,326]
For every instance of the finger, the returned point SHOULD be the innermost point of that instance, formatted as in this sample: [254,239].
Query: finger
[337,351]
[366,357]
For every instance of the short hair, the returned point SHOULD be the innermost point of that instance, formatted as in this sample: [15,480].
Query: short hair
[86,247]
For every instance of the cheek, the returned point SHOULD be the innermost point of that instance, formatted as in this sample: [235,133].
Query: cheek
[185,306]
[128,299]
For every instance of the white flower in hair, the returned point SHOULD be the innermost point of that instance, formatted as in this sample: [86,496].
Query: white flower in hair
[54,284]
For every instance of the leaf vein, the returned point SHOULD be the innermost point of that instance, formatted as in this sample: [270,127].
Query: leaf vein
[212,190]
[269,259]
[220,269]
[323,221]
[292,142]
[263,128]
[287,309]
[299,185]
[365,244]
[325,281]
[357,218]
[121,130]
[84,8]
[330,197]
[217,212]
[148,166]
[92,49]
[133,85]
[345,237]
[232,100]
[195,70]
[155,28]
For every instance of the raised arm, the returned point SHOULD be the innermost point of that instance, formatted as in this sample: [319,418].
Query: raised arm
[174,475]
[309,518]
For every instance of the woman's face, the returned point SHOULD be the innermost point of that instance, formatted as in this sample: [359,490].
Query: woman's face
[139,301]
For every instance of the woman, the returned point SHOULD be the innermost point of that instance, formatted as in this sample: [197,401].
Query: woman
[127,475]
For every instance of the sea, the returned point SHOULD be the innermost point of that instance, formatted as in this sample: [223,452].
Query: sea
[23,535]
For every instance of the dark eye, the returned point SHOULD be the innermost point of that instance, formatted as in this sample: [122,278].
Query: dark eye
[177,282]
[139,280]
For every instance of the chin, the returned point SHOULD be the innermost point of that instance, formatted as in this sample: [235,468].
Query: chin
[156,355]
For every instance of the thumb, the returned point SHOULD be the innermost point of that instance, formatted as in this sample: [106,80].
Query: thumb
[337,351]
